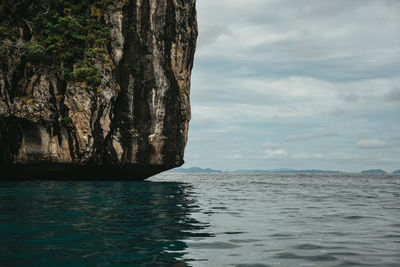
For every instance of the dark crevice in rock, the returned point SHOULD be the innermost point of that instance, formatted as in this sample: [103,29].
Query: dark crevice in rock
[10,140]
[57,131]
[172,111]
[17,78]
[98,138]
[53,98]
[71,138]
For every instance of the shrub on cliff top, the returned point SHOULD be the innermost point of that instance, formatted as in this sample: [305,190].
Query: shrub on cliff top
[63,33]
[90,75]
[34,52]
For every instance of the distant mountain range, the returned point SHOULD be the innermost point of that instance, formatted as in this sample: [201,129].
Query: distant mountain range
[282,170]
[194,169]
[374,171]
[285,170]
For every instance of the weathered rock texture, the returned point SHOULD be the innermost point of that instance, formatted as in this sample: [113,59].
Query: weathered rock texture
[133,125]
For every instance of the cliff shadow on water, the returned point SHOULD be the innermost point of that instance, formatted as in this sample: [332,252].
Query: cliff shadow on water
[94,89]
[96,223]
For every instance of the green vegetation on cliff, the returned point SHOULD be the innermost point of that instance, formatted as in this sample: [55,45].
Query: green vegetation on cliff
[59,35]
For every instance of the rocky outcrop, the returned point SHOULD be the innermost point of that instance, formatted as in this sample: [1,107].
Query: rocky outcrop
[131,123]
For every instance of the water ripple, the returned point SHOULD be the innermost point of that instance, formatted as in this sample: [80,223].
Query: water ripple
[203,220]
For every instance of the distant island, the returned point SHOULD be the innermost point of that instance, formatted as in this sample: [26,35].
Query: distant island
[374,171]
[281,170]
[194,169]
[284,170]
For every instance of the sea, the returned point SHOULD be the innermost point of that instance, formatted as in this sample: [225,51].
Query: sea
[211,219]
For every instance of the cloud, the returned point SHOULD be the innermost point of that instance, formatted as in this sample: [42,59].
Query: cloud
[210,33]
[317,39]
[263,67]
[393,95]
[349,97]
[309,136]
[301,156]
[274,154]
[371,144]
[305,156]
[269,145]
[238,140]
[236,156]
[337,112]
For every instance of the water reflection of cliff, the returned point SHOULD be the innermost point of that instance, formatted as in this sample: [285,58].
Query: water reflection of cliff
[91,223]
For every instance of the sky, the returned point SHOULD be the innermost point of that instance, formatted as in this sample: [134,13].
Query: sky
[303,84]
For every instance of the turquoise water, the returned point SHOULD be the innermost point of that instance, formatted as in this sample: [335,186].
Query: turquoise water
[203,220]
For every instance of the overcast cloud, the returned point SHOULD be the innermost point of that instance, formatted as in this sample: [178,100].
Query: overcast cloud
[299,84]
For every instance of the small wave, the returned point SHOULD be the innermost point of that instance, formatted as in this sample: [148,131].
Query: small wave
[358,205]
[343,253]
[322,257]
[244,240]
[216,245]
[334,233]
[392,236]
[233,233]
[308,246]
[282,235]
[251,265]
[287,255]
[355,217]
[352,263]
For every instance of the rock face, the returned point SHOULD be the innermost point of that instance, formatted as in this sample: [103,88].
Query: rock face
[130,124]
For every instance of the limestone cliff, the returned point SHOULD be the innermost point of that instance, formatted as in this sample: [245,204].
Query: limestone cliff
[94,89]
